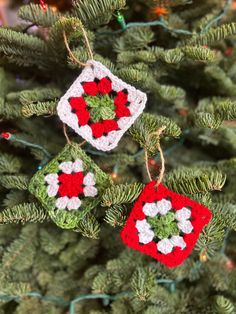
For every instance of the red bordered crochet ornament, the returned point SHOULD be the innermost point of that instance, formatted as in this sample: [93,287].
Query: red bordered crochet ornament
[164,224]
[100,107]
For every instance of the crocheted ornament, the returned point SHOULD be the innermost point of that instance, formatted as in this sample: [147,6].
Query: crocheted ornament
[164,225]
[69,186]
[100,107]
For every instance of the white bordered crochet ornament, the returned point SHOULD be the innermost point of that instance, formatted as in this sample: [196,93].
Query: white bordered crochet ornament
[100,107]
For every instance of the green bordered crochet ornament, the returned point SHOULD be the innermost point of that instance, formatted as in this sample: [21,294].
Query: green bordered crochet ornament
[69,186]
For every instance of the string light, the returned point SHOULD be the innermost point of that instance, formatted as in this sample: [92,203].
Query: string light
[43,5]
[229,264]
[228,51]
[6,135]
[203,257]
[159,11]
[121,20]
[114,174]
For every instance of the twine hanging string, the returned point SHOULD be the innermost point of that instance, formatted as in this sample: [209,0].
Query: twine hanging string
[89,49]
[157,133]
[76,60]
[67,137]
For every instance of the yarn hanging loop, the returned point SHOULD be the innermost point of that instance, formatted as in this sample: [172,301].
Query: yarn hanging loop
[160,177]
[89,49]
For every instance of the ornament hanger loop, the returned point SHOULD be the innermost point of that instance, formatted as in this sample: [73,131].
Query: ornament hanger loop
[89,49]
[157,133]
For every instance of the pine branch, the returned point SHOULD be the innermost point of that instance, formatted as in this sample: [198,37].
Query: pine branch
[149,123]
[89,227]
[39,109]
[23,213]
[199,53]
[227,213]
[20,254]
[9,164]
[9,111]
[223,305]
[213,35]
[116,216]
[211,238]
[193,180]
[205,120]
[20,181]
[143,281]
[34,13]
[39,94]
[22,49]
[94,13]
[120,194]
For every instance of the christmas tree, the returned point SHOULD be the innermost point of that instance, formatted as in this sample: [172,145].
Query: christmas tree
[176,58]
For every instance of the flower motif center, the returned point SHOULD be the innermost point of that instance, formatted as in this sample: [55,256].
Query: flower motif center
[164,226]
[102,107]
[71,184]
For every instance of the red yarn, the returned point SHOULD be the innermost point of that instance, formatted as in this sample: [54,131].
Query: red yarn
[104,127]
[121,99]
[122,111]
[71,184]
[90,88]
[200,216]
[78,103]
[110,125]
[97,129]
[104,86]
[83,117]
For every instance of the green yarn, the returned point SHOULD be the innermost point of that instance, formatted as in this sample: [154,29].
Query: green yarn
[164,226]
[101,107]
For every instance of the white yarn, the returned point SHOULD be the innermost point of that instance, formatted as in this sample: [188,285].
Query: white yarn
[184,223]
[165,246]
[73,203]
[52,189]
[146,237]
[178,241]
[183,214]
[161,207]
[61,202]
[150,209]
[77,166]
[66,167]
[89,179]
[90,191]
[93,70]
[146,234]
[51,178]
[185,226]
[164,206]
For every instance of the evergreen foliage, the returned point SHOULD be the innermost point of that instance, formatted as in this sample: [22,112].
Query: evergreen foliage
[186,63]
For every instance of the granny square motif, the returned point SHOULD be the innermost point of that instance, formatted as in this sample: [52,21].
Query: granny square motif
[71,183]
[100,107]
[164,225]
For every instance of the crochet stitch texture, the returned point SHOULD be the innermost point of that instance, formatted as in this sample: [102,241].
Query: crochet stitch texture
[164,225]
[100,107]
[70,185]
